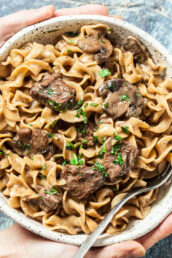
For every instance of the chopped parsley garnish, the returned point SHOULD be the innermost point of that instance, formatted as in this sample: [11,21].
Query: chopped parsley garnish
[84,141]
[78,104]
[124,97]
[119,76]
[126,83]
[119,160]
[80,174]
[71,92]
[138,95]
[52,191]
[104,72]
[103,139]
[41,176]
[7,154]
[102,151]
[71,34]
[51,92]
[110,86]
[56,106]
[43,167]
[81,129]
[86,104]
[99,167]
[69,146]
[71,42]
[40,91]
[125,129]
[1,151]
[51,135]
[115,149]
[69,51]
[114,189]
[53,124]
[95,139]
[142,59]
[109,30]
[106,105]
[105,174]
[30,124]
[80,111]
[65,162]
[26,147]
[94,104]
[102,41]
[117,137]
[76,160]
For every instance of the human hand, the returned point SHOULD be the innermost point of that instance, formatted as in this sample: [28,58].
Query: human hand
[18,242]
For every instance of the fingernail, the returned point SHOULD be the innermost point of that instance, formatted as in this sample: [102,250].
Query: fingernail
[47,6]
[136,253]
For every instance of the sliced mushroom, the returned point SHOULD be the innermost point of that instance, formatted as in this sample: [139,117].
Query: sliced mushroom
[140,52]
[96,43]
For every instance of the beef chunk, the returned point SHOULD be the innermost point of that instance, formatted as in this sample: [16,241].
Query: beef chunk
[85,132]
[28,142]
[81,181]
[140,52]
[121,99]
[97,44]
[53,92]
[49,202]
[124,155]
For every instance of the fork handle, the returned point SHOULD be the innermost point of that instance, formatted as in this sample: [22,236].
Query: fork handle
[103,224]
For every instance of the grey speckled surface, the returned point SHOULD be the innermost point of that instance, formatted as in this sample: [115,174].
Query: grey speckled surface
[152,16]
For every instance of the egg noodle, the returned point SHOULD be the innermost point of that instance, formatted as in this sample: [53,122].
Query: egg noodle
[150,132]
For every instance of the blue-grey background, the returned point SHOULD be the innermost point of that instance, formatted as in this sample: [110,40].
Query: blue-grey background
[153,16]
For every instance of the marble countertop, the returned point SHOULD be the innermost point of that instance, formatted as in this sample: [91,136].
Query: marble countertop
[152,16]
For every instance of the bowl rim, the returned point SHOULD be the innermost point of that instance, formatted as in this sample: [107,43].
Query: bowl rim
[164,204]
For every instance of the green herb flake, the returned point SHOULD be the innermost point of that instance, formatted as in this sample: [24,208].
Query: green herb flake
[40,91]
[71,92]
[96,139]
[71,34]
[80,174]
[119,76]
[53,124]
[126,83]
[109,30]
[76,160]
[1,151]
[138,95]
[110,86]
[7,154]
[86,105]
[102,41]
[51,92]
[52,191]
[78,104]
[106,105]
[117,137]
[43,167]
[81,129]
[125,129]
[115,149]
[51,135]
[41,176]
[80,111]
[124,97]
[69,146]
[102,151]
[114,189]
[103,139]
[30,124]
[119,160]
[71,42]
[142,59]
[105,174]
[84,141]
[165,69]
[104,72]
[99,167]
[94,104]
[65,162]
[56,106]
[69,51]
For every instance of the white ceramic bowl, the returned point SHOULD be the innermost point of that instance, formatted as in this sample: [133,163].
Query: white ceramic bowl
[41,33]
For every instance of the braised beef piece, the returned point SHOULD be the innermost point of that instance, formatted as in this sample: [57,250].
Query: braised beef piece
[81,181]
[28,142]
[140,52]
[121,99]
[49,202]
[53,92]
[85,132]
[123,150]
[97,44]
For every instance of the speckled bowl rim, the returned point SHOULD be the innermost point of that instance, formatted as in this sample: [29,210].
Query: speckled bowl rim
[160,209]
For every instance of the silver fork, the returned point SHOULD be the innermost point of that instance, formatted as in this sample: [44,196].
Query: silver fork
[151,184]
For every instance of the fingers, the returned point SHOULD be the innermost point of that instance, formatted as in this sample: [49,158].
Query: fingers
[125,249]
[12,23]
[85,9]
[116,16]
[162,231]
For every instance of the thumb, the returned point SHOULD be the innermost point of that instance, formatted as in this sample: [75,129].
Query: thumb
[12,23]
[129,249]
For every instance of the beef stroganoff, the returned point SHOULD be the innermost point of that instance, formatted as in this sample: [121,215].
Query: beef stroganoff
[83,122]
